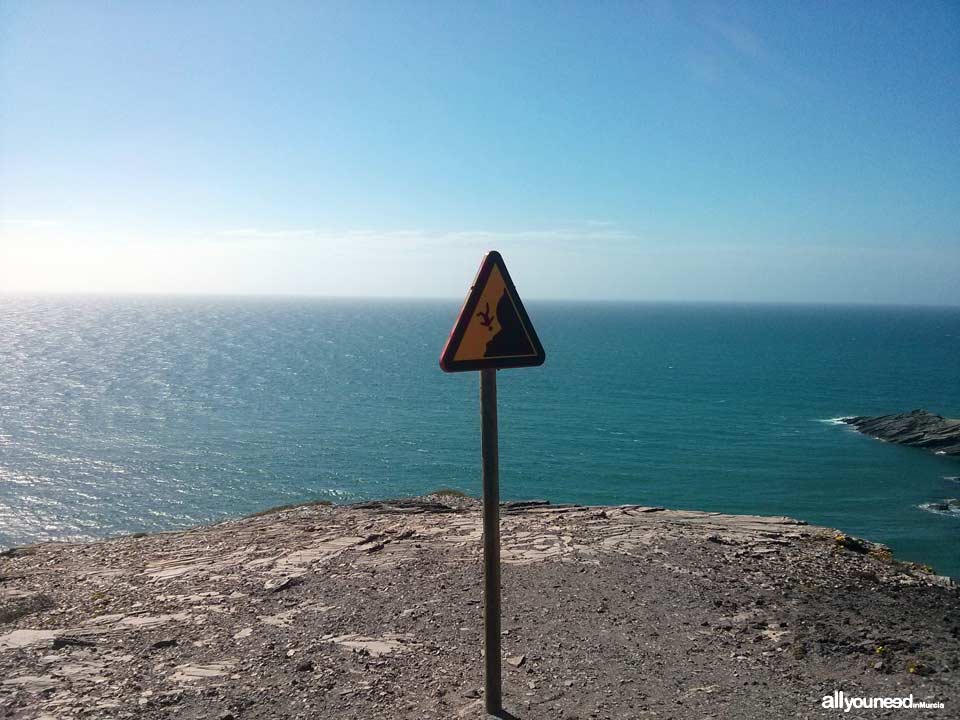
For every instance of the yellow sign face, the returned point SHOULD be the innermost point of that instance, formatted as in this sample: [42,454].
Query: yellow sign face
[493,330]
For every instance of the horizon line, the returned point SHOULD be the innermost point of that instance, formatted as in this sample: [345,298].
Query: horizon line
[454,299]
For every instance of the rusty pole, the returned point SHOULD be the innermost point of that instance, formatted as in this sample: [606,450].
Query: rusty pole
[493,693]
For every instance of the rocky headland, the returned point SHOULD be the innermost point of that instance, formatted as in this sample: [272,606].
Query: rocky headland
[373,611]
[918,428]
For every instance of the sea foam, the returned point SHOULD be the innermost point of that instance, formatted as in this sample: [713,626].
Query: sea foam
[949,507]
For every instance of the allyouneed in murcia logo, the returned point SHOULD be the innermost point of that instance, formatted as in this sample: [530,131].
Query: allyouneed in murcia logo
[840,701]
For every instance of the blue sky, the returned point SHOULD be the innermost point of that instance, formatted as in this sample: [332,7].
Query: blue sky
[679,151]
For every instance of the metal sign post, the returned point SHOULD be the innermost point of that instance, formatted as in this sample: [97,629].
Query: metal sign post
[493,694]
[493,331]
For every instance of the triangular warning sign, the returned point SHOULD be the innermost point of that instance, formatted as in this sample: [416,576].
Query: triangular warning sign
[493,330]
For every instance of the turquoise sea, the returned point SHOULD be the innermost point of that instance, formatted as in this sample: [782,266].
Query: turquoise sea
[142,414]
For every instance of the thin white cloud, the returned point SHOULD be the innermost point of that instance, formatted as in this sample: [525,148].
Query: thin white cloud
[266,234]
[728,49]
[739,38]
[586,231]
[562,262]
[29,223]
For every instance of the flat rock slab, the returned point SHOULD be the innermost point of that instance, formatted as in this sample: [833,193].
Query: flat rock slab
[374,611]
[189,672]
[374,646]
[25,638]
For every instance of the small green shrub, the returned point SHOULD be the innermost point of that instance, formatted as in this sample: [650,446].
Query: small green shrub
[449,492]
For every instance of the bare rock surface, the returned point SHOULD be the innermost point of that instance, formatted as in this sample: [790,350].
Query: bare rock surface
[918,428]
[373,611]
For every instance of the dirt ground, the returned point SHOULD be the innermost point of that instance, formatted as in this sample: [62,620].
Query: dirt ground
[373,611]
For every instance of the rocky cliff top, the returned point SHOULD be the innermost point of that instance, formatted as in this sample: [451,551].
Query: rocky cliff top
[372,611]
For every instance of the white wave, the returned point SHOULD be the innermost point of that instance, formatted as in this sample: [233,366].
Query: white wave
[832,421]
[947,507]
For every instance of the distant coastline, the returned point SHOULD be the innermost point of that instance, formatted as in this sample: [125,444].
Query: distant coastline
[454,301]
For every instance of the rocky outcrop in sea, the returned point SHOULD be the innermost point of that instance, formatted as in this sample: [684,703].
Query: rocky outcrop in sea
[918,428]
